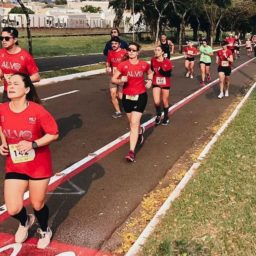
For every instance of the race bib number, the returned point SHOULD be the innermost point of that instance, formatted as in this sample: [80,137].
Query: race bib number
[160,80]
[165,55]
[224,63]
[190,52]
[18,157]
[132,97]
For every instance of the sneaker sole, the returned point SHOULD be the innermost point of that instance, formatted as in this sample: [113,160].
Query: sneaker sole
[130,160]
[43,247]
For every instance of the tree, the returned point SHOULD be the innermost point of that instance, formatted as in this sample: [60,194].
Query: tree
[19,10]
[91,9]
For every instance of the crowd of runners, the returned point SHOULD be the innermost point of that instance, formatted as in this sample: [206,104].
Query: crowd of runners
[27,128]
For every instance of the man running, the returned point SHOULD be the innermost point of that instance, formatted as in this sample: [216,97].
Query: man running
[14,59]
[167,46]
[115,56]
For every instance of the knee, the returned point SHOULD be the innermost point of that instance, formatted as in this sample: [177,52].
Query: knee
[37,205]
[113,95]
[13,210]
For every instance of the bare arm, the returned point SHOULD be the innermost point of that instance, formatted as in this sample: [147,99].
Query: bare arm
[115,78]
[35,77]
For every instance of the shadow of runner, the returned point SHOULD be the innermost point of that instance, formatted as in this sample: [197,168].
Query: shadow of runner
[67,124]
[67,195]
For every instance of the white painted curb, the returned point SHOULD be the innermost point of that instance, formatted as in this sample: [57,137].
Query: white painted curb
[167,204]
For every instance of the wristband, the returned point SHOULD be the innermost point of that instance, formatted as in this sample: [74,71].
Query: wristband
[34,145]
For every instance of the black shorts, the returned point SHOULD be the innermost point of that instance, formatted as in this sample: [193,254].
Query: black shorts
[225,70]
[163,88]
[206,64]
[190,59]
[237,48]
[21,176]
[130,103]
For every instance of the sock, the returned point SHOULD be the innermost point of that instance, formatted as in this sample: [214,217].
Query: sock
[158,110]
[42,217]
[21,216]
[166,112]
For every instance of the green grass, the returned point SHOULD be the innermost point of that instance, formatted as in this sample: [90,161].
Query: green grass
[216,213]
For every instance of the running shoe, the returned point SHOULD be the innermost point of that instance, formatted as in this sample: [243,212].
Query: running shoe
[187,74]
[22,232]
[221,95]
[191,76]
[130,156]
[209,78]
[141,136]
[45,238]
[166,121]
[202,83]
[117,115]
[226,93]
[158,120]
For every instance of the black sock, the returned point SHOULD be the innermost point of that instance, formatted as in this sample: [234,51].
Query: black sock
[21,216]
[166,112]
[158,110]
[42,217]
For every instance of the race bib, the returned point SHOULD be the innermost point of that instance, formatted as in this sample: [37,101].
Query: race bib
[160,80]
[132,97]
[18,157]
[165,55]
[224,63]
[190,52]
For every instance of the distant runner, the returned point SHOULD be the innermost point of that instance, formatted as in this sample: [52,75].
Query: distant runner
[224,59]
[167,45]
[237,46]
[115,56]
[162,68]
[190,52]
[248,46]
[135,95]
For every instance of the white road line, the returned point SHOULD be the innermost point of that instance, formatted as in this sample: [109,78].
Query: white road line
[134,250]
[59,95]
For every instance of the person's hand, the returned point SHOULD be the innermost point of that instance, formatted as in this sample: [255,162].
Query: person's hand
[148,84]
[108,70]
[124,79]
[4,151]
[24,146]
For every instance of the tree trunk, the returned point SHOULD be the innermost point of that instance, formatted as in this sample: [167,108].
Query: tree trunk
[157,28]
[218,32]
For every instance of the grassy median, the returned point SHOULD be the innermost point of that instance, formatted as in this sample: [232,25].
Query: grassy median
[216,213]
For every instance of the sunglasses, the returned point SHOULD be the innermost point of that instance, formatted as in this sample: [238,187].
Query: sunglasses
[114,32]
[6,38]
[131,50]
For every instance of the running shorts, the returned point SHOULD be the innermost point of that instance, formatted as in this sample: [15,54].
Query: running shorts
[206,64]
[135,102]
[21,176]
[225,70]
[190,59]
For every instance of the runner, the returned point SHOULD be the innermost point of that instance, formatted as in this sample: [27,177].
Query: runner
[14,59]
[224,59]
[115,56]
[237,46]
[230,40]
[205,62]
[134,93]
[162,68]
[248,46]
[190,52]
[26,130]
[167,45]
[254,44]
[108,46]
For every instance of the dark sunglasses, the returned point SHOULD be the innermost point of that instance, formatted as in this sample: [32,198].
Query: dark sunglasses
[131,50]
[6,38]
[113,32]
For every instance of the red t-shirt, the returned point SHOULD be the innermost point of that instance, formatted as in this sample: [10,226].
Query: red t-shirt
[223,60]
[231,42]
[31,124]
[135,75]
[159,79]
[190,51]
[116,57]
[21,62]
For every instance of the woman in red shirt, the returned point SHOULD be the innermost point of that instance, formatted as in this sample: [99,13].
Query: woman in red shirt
[224,59]
[26,130]
[130,74]
[162,68]
[190,52]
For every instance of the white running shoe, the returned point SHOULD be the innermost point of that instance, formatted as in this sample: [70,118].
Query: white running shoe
[187,74]
[221,95]
[45,238]
[22,232]
[191,76]
[226,93]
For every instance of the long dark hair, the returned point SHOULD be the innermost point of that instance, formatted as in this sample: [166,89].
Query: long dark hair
[32,94]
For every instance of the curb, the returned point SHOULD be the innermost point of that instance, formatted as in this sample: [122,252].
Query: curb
[190,173]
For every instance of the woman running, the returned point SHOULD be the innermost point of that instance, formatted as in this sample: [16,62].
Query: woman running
[205,62]
[190,52]
[237,46]
[248,46]
[224,59]
[26,130]
[162,68]
[130,74]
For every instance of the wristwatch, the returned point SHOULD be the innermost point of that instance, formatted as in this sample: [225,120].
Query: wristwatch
[34,145]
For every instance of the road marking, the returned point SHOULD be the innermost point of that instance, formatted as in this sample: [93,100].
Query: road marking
[59,95]
[94,157]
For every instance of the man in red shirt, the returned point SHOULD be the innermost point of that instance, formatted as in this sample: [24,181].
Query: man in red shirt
[230,43]
[115,56]
[14,59]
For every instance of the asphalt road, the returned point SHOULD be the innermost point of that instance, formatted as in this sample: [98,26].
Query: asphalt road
[88,209]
